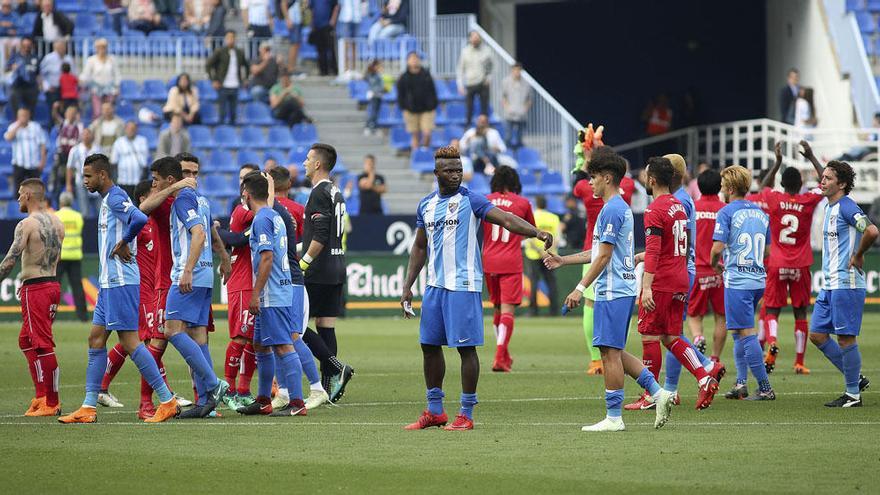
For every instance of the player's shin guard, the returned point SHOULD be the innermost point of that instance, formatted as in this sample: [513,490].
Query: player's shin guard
[435,401]
[94,375]
[613,403]
[852,368]
[687,356]
[652,357]
[193,356]
[801,332]
[762,326]
[496,319]
[48,373]
[739,359]
[232,364]
[307,362]
[31,356]
[771,325]
[832,351]
[647,381]
[146,364]
[115,359]
[595,355]
[292,374]
[506,322]
[265,373]
[755,359]
[248,367]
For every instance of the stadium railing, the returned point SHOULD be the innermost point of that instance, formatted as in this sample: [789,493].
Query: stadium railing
[853,60]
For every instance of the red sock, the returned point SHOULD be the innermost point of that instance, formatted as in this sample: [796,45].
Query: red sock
[762,326]
[248,366]
[714,359]
[505,329]
[801,332]
[47,372]
[233,362]
[688,358]
[146,391]
[652,356]
[31,356]
[771,325]
[115,360]
[157,356]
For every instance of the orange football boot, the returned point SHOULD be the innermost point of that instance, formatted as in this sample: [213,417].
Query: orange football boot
[36,403]
[164,412]
[82,415]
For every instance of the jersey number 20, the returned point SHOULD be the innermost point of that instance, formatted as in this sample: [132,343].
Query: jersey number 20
[754,246]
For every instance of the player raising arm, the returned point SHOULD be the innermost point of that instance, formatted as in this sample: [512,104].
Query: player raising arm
[451,306]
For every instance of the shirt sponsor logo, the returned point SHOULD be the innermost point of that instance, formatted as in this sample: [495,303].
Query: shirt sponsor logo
[191,214]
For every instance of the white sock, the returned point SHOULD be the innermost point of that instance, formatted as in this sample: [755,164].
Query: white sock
[282,392]
[316,387]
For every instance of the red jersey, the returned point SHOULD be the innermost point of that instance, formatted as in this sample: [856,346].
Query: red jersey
[297,211]
[242,276]
[666,246]
[502,250]
[594,204]
[791,216]
[146,260]
[706,207]
[161,217]
[758,199]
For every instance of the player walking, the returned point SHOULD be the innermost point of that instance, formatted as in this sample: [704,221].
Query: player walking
[741,231]
[503,261]
[847,235]
[451,306]
[117,308]
[788,268]
[37,242]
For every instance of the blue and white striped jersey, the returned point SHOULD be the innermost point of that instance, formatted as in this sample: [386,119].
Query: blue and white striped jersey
[118,220]
[26,145]
[614,226]
[131,157]
[744,230]
[191,209]
[268,233]
[452,225]
[691,211]
[842,232]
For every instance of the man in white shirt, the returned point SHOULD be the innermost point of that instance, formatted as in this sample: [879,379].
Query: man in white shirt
[131,156]
[28,147]
[50,70]
[89,202]
[482,144]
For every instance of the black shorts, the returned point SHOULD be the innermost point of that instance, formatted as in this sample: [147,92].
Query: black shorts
[325,300]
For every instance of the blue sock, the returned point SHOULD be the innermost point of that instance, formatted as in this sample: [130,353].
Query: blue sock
[265,373]
[673,372]
[435,400]
[646,381]
[193,356]
[150,371]
[613,402]
[199,385]
[293,375]
[832,351]
[755,358]
[739,358]
[94,375]
[468,401]
[307,361]
[852,368]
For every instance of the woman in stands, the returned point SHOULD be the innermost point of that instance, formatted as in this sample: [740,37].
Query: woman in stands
[183,98]
[101,76]
[805,112]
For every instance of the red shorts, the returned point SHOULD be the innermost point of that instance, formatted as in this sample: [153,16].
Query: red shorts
[666,317]
[158,329]
[783,283]
[505,288]
[39,301]
[707,289]
[241,321]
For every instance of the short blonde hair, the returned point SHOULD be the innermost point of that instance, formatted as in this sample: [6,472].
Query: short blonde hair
[736,178]
[678,164]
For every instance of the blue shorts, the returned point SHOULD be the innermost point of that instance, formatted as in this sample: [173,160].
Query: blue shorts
[294,34]
[298,313]
[117,308]
[838,312]
[451,318]
[347,29]
[691,277]
[191,308]
[273,326]
[611,322]
[740,306]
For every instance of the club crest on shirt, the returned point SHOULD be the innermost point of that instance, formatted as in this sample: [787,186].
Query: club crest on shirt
[452,207]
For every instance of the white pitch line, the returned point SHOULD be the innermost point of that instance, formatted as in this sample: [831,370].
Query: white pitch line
[220,423]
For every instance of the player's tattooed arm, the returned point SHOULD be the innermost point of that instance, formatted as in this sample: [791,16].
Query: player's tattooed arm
[807,152]
[49,235]
[417,258]
[19,241]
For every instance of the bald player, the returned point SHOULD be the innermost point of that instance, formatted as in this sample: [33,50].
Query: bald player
[37,241]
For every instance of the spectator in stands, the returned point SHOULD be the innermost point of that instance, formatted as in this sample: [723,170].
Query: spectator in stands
[183,100]
[657,116]
[89,203]
[574,225]
[51,25]
[693,188]
[805,111]
[346,28]
[24,67]
[286,101]
[50,71]
[101,75]
[197,15]
[68,87]
[143,16]
[482,144]
[788,94]
[473,73]
[291,13]
[534,256]
[69,134]
[131,157]
[116,12]
[228,70]
[107,129]
[392,21]
[167,8]
[70,261]
[417,98]
[28,147]
[257,16]
[323,34]
[516,100]
[264,73]
[371,186]
[217,25]
[173,140]
[376,88]
[25,6]
[9,20]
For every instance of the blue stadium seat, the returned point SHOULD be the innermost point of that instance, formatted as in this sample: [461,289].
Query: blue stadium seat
[249,156]
[479,184]
[41,114]
[279,136]
[5,159]
[277,154]
[389,116]
[873,6]
[207,93]
[307,51]
[353,205]
[226,137]
[400,140]
[200,136]
[257,113]
[210,115]
[280,28]
[26,22]
[151,135]
[454,114]
[438,139]
[3,98]
[304,134]
[156,109]
[298,155]
[253,137]
[443,92]
[422,160]
[70,7]
[244,95]
[453,132]
[215,185]
[125,111]
[852,5]
[866,22]
[555,204]
[221,161]
[154,89]
[86,24]
[13,211]
[219,207]
[357,90]
[390,96]
[553,183]
[130,90]
[5,188]
[529,159]
[529,183]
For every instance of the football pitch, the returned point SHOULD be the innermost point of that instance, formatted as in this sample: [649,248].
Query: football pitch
[527,438]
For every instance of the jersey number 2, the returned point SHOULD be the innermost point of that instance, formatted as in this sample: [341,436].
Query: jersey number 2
[791,223]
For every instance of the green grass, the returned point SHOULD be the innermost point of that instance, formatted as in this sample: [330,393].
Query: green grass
[527,439]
